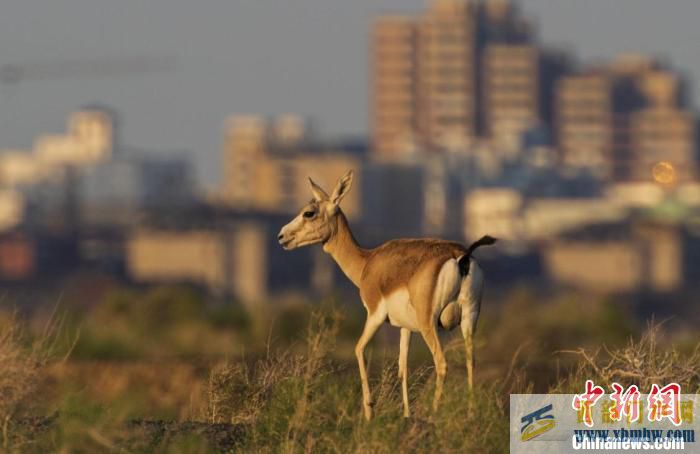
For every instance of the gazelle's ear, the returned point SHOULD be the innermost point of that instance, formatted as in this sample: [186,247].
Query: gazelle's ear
[342,188]
[319,194]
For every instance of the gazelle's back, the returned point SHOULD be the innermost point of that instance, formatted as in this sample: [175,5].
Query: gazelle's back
[390,266]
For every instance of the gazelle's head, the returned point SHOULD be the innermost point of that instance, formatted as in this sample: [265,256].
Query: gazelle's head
[317,220]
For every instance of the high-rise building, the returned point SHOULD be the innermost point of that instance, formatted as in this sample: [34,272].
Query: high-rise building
[428,72]
[625,121]
[245,139]
[662,135]
[267,163]
[470,69]
[585,121]
[447,56]
[394,85]
[500,21]
[510,91]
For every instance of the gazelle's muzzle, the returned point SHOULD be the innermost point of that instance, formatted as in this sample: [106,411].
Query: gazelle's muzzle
[287,235]
[284,240]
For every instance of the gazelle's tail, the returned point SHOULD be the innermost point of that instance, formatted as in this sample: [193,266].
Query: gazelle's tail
[483,241]
[464,260]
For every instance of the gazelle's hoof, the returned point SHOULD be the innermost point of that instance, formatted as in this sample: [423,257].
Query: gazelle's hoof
[368,413]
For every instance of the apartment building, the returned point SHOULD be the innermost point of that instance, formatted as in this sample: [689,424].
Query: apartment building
[266,173]
[244,143]
[427,71]
[585,121]
[394,86]
[511,98]
[625,121]
[447,87]
[663,134]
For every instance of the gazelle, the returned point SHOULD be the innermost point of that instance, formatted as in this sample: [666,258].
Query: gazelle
[418,285]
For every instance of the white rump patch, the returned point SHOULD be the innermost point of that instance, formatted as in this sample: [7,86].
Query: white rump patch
[447,285]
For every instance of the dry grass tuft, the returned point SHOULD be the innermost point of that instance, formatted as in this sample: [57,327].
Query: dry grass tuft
[22,361]
[642,362]
[227,383]
[238,393]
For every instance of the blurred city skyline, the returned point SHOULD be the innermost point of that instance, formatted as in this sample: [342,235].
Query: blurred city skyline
[266,57]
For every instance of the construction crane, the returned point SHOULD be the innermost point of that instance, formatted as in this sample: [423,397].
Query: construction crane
[14,75]
[103,67]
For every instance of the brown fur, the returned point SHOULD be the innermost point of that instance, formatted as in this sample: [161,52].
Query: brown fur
[396,263]
[379,271]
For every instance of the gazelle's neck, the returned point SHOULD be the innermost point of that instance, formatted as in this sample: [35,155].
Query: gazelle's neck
[345,250]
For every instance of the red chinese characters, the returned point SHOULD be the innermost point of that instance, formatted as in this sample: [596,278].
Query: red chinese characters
[665,403]
[584,402]
[625,403]
[662,403]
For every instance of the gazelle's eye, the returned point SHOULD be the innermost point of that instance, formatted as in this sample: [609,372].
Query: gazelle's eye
[309,214]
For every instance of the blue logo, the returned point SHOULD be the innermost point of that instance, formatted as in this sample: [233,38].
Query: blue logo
[537,423]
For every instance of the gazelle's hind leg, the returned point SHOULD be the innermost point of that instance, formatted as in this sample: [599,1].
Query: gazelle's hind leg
[403,368]
[468,328]
[433,341]
[432,301]
[470,301]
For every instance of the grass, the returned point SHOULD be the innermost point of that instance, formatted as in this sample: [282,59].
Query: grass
[309,403]
[22,361]
[300,391]
[642,362]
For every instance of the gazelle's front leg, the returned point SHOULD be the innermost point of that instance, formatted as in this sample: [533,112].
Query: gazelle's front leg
[372,324]
[403,368]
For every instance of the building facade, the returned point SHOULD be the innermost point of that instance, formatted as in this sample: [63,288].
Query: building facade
[394,85]
[585,122]
[663,133]
[446,76]
[239,258]
[266,174]
[511,85]
[626,122]
[429,72]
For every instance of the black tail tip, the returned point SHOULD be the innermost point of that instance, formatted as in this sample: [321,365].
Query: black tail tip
[487,240]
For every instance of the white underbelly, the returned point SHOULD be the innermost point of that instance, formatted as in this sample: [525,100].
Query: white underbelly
[400,311]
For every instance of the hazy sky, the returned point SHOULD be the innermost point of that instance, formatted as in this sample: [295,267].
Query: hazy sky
[268,56]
